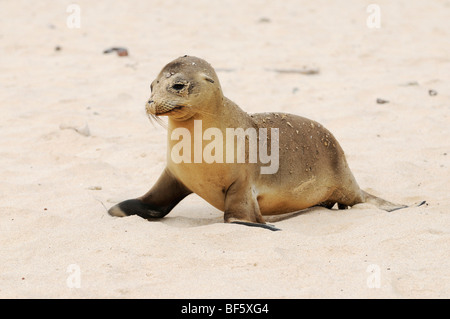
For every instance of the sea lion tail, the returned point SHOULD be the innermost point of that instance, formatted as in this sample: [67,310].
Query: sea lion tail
[384,204]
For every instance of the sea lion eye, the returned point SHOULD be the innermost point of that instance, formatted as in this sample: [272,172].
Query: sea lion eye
[178,86]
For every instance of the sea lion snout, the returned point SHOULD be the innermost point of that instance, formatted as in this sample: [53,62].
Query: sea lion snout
[160,108]
[150,107]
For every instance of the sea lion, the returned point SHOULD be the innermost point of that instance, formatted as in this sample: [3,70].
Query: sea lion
[312,168]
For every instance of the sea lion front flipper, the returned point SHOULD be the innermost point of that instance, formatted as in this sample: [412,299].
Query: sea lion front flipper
[241,206]
[157,202]
[266,226]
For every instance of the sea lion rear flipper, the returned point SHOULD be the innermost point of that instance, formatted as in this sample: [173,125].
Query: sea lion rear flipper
[421,203]
[381,203]
[157,202]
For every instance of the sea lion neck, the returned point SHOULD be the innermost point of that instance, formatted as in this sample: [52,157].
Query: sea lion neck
[225,113]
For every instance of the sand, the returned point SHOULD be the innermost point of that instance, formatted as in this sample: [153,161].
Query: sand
[75,140]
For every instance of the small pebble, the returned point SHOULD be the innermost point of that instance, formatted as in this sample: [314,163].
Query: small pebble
[381,101]
[120,51]
[264,20]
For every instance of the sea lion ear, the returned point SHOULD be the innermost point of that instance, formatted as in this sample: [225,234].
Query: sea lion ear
[207,78]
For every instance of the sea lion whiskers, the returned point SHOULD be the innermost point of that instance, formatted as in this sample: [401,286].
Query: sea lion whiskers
[154,118]
[150,110]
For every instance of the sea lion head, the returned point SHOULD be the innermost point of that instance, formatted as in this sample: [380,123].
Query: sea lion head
[185,87]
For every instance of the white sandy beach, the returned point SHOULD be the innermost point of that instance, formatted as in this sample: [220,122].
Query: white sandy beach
[75,140]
